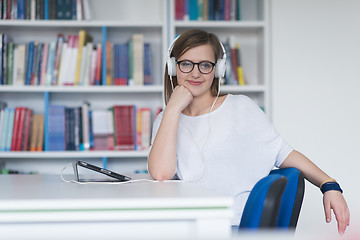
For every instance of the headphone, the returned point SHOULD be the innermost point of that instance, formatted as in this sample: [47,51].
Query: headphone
[220,66]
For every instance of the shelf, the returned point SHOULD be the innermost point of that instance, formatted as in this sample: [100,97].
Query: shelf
[84,89]
[120,89]
[75,154]
[243,88]
[220,24]
[74,23]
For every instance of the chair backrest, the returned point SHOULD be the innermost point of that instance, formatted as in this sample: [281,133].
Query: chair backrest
[262,206]
[292,197]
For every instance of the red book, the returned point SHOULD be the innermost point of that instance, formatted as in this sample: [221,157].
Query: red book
[124,127]
[15,128]
[21,129]
[234,65]
[27,127]
[98,65]
[179,9]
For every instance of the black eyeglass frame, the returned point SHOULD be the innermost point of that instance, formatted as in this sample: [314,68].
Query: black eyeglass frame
[198,64]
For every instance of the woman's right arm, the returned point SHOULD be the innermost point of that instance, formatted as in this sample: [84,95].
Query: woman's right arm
[162,157]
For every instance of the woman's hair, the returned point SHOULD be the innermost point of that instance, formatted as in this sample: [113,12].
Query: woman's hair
[186,41]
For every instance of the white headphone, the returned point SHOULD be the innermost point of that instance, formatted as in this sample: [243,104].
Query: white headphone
[220,66]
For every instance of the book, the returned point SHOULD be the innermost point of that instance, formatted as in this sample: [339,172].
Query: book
[69,129]
[85,145]
[10,129]
[40,138]
[56,128]
[98,64]
[145,128]
[30,57]
[20,130]
[193,9]
[147,64]
[50,63]
[4,128]
[239,66]
[103,131]
[58,51]
[124,127]
[84,38]
[179,9]
[138,59]
[109,66]
[20,65]
[34,132]
[16,124]
[10,63]
[27,128]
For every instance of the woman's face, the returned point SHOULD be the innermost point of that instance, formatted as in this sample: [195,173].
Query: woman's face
[198,83]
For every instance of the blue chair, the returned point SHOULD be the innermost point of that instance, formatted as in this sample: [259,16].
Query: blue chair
[263,204]
[292,197]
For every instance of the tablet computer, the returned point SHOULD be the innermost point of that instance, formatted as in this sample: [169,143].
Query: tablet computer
[112,176]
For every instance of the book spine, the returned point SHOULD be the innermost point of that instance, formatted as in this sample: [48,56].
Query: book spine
[58,51]
[16,124]
[10,130]
[27,135]
[104,59]
[21,129]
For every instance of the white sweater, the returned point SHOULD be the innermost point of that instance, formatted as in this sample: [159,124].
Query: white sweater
[242,148]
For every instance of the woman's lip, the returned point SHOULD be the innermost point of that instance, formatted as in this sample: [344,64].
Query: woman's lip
[196,83]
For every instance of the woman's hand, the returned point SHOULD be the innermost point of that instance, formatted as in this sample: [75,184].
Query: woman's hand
[334,200]
[180,98]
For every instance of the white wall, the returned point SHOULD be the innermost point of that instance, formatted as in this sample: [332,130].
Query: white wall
[316,102]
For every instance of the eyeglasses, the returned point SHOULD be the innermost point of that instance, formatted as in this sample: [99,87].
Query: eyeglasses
[186,66]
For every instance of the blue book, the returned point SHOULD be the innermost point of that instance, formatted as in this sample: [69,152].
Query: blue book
[103,63]
[221,10]
[193,10]
[21,9]
[211,12]
[91,132]
[46,9]
[56,128]
[147,64]
[186,9]
[30,60]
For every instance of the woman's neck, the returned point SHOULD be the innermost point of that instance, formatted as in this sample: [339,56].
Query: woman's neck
[200,106]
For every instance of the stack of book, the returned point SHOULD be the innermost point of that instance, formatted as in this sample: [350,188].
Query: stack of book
[208,10]
[75,61]
[122,127]
[234,74]
[45,10]
[21,130]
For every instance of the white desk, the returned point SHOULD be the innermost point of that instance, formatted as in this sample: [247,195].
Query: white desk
[45,207]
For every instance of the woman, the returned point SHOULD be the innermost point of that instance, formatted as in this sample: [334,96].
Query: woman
[224,143]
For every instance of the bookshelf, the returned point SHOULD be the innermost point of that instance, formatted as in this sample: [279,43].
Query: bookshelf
[155,19]
[120,23]
[251,32]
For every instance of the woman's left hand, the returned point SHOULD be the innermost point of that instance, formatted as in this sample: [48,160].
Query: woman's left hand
[334,200]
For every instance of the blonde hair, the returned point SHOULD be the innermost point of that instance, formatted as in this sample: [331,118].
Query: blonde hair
[186,41]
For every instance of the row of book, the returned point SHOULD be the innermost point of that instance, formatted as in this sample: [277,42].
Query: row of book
[75,61]
[208,10]
[45,10]
[122,127]
[234,74]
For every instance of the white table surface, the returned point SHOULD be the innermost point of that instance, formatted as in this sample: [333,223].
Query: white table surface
[155,209]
